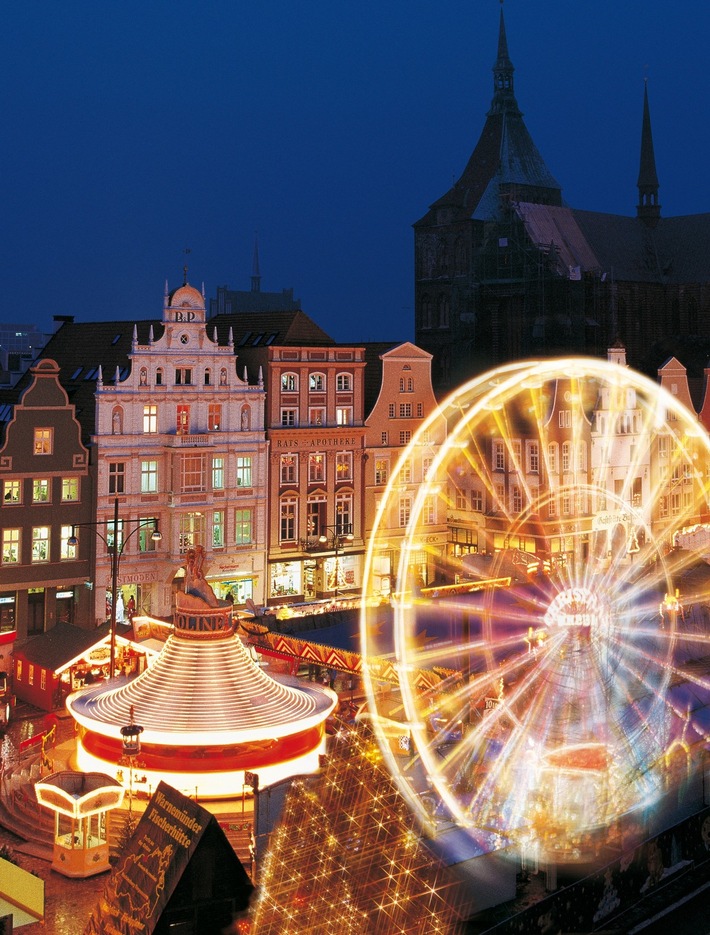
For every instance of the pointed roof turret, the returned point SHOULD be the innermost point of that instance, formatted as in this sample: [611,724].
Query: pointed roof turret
[503,91]
[648,209]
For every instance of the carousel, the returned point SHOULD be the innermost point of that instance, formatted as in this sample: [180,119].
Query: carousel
[210,719]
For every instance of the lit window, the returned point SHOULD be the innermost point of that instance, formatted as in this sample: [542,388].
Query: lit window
[316,469]
[116,477]
[316,416]
[344,466]
[344,514]
[12,492]
[289,469]
[344,415]
[146,529]
[533,457]
[382,470]
[242,526]
[70,489]
[40,543]
[405,473]
[426,467]
[218,529]
[429,511]
[477,501]
[552,457]
[565,456]
[43,442]
[149,476]
[218,473]
[150,420]
[40,490]
[11,546]
[182,423]
[214,417]
[67,550]
[244,472]
[192,531]
[405,510]
[114,536]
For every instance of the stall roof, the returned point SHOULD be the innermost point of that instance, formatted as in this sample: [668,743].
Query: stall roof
[55,648]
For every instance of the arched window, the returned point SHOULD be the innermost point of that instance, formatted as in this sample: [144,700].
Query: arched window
[159,376]
[208,376]
[344,383]
[316,382]
[289,382]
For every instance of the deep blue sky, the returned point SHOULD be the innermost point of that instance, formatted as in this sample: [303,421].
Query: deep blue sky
[132,130]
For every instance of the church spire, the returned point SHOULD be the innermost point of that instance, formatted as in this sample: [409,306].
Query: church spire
[503,91]
[648,209]
[255,276]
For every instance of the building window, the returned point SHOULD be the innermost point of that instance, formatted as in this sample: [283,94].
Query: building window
[40,490]
[316,516]
[193,468]
[183,376]
[426,467]
[533,458]
[11,546]
[288,469]
[12,491]
[43,441]
[218,529]
[316,469]
[382,470]
[405,438]
[30,674]
[148,525]
[663,446]
[116,477]
[192,530]
[499,491]
[477,501]
[516,499]
[214,417]
[460,499]
[565,457]
[429,511]
[244,472]
[344,383]
[343,466]
[289,417]
[565,418]
[114,535]
[405,473]
[498,456]
[344,415]
[287,524]
[243,527]
[70,489]
[344,514]
[582,456]
[392,410]
[405,410]
[149,476]
[67,551]
[40,543]
[182,425]
[420,410]
[218,473]
[289,383]
[405,510]
[566,504]
[208,377]
[552,457]
[316,382]
[150,420]
[159,377]
[316,416]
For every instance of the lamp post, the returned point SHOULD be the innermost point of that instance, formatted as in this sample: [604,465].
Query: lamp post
[115,551]
[340,533]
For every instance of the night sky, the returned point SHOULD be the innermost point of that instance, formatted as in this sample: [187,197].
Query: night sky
[133,130]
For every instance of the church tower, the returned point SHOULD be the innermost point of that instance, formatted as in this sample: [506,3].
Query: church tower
[648,208]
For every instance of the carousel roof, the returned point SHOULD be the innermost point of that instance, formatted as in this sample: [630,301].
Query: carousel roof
[207,689]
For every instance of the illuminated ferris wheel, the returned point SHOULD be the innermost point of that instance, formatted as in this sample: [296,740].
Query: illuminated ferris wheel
[539,670]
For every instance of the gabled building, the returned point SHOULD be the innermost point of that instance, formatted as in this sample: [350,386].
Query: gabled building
[505,269]
[46,488]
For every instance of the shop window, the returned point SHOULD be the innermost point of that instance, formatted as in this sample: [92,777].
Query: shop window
[150,420]
[43,439]
[70,489]
[40,490]
[244,472]
[149,476]
[12,492]
[40,543]
[11,546]
[243,526]
[117,477]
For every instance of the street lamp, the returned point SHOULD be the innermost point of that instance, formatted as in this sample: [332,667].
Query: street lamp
[340,533]
[115,551]
[131,745]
